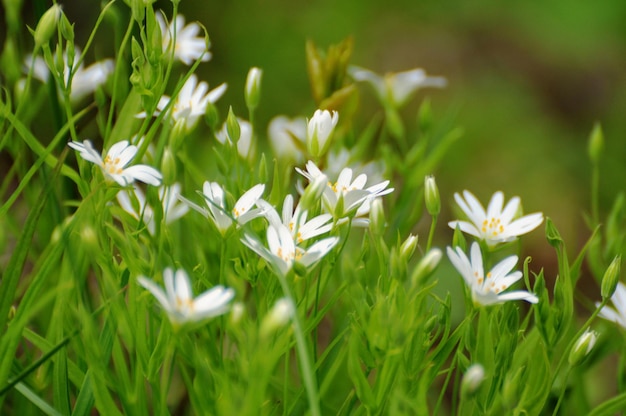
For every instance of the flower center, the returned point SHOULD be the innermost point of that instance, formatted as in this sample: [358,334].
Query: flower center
[184,304]
[111,166]
[492,227]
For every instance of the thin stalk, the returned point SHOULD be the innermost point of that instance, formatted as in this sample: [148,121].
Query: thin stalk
[306,365]
[431,233]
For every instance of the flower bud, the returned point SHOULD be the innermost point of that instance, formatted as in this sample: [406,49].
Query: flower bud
[472,379]
[552,234]
[596,144]
[431,195]
[253,88]
[47,25]
[279,316]
[377,217]
[611,278]
[168,166]
[312,194]
[408,247]
[427,265]
[319,129]
[582,347]
[232,126]
[236,313]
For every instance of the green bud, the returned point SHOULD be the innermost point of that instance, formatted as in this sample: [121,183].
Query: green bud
[263,172]
[426,266]
[67,28]
[236,313]
[611,278]
[408,247]
[596,144]
[582,347]
[311,197]
[168,166]
[253,88]
[232,126]
[552,234]
[279,316]
[377,217]
[458,240]
[47,25]
[211,116]
[431,195]
[472,379]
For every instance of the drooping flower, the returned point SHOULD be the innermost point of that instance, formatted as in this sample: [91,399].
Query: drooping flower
[245,146]
[347,197]
[223,218]
[282,252]
[396,88]
[319,129]
[190,104]
[616,313]
[496,225]
[114,164]
[296,220]
[173,209]
[189,46]
[288,137]
[178,302]
[487,288]
[84,80]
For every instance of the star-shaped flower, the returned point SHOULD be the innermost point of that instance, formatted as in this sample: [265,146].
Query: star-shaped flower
[617,313]
[84,80]
[296,220]
[496,225]
[396,88]
[346,197]
[189,46]
[114,164]
[178,302]
[282,252]
[191,102]
[487,289]
[223,218]
[173,209]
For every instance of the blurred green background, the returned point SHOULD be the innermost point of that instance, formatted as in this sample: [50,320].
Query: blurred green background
[527,81]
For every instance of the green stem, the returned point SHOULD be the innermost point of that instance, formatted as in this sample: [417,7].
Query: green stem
[303,353]
[595,195]
[431,233]
[562,394]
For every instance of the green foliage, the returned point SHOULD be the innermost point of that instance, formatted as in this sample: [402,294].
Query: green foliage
[351,315]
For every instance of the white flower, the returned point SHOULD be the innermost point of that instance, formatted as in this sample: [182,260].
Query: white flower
[84,80]
[178,301]
[191,102]
[288,137]
[283,253]
[347,193]
[617,313]
[172,208]
[189,46]
[215,198]
[319,129]
[487,289]
[496,225]
[396,88]
[113,165]
[245,146]
[296,220]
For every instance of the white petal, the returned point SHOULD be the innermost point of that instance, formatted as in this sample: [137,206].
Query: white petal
[144,173]
[157,292]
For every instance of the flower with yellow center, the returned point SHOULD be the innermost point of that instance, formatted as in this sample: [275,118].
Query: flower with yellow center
[114,163]
[487,288]
[296,220]
[496,225]
[282,252]
[178,302]
[346,197]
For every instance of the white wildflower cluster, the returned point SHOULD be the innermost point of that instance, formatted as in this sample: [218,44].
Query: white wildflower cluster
[493,226]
